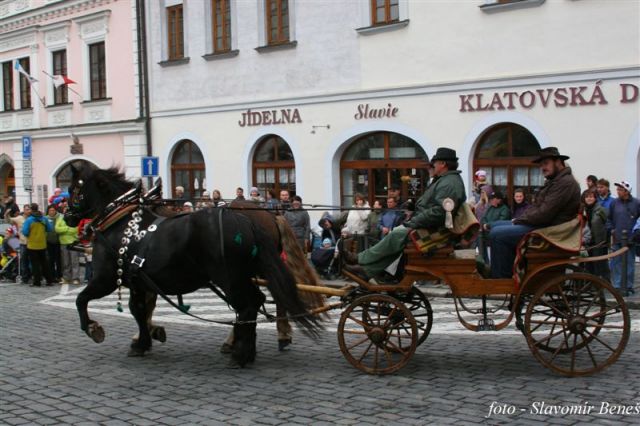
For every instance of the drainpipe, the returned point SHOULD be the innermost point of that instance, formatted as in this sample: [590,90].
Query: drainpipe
[143,76]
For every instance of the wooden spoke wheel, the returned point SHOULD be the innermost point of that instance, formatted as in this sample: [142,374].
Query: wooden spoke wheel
[576,324]
[419,305]
[377,334]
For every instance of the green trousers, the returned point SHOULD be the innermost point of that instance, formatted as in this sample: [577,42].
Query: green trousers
[378,257]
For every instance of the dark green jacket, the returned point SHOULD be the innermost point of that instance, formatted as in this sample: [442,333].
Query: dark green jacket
[429,211]
[494,214]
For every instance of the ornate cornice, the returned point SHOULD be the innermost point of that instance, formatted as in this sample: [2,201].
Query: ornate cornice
[43,15]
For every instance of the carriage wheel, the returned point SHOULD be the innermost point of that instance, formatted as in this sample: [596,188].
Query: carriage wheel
[377,334]
[576,324]
[419,305]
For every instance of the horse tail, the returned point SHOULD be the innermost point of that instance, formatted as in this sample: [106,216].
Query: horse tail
[282,285]
[298,264]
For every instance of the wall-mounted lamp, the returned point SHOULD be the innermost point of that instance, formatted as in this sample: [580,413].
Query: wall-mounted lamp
[313,128]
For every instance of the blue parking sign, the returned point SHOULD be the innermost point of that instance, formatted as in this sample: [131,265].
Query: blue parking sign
[150,166]
[26,147]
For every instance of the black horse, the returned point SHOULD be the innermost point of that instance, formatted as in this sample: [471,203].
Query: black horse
[183,254]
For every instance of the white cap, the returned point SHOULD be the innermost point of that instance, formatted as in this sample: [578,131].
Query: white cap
[481,173]
[188,204]
[624,185]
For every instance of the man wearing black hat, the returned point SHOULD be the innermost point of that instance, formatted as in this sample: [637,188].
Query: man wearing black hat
[429,214]
[558,201]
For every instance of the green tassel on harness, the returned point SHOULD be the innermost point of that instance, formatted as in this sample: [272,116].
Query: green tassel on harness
[254,251]
[238,238]
[184,308]
[119,307]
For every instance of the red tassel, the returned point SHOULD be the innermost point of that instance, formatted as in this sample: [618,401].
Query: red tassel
[283,256]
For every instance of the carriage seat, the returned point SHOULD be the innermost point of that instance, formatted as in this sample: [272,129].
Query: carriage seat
[556,242]
[464,231]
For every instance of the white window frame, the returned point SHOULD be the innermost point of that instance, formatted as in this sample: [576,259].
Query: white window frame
[164,31]
[365,13]
[262,25]
[92,29]
[56,38]
[208,13]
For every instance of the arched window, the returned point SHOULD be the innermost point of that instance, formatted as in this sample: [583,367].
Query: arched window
[506,152]
[188,170]
[63,178]
[274,166]
[375,162]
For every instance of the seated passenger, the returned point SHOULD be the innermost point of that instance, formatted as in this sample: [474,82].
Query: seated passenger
[429,214]
[558,201]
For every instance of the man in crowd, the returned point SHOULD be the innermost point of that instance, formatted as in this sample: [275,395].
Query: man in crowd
[390,218]
[239,194]
[604,194]
[623,214]
[35,229]
[557,201]
[429,214]
[53,244]
[285,201]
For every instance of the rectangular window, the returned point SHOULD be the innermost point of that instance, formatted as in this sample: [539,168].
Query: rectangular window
[277,21]
[7,85]
[221,19]
[25,85]
[60,94]
[97,71]
[384,12]
[175,32]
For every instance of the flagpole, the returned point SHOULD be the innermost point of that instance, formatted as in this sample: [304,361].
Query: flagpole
[40,98]
[67,86]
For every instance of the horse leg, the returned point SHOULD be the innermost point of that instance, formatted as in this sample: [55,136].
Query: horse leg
[244,345]
[157,331]
[284,329]
[138,307]
[95,290]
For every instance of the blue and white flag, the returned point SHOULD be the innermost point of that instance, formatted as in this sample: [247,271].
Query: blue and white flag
[21,70]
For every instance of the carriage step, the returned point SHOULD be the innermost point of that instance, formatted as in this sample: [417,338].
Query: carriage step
[486,325]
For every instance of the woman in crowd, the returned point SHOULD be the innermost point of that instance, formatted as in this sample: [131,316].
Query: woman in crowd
[217,199]
[520,204]
[372,222]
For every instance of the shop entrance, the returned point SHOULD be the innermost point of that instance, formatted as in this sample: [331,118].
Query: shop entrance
[376,162]
[7,179]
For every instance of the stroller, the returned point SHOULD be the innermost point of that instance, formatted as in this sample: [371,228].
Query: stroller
[325,259]
[10,259]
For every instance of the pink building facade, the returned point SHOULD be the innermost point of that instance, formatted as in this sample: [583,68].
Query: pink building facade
[98,119]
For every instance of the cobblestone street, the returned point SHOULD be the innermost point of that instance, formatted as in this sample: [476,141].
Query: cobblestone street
[51,373]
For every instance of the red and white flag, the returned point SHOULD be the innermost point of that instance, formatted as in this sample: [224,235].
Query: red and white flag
[61,80]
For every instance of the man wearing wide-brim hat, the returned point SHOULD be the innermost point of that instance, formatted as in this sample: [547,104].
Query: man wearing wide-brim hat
[429,214]
[558,201]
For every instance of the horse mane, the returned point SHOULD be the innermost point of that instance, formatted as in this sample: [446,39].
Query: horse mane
[112,179]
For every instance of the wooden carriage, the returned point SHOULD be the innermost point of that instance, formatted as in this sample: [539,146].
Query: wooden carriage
[575,323]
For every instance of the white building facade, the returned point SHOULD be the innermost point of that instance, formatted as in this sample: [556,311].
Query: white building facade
[328,99]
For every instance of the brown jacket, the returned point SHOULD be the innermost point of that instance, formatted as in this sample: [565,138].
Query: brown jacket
[558,201]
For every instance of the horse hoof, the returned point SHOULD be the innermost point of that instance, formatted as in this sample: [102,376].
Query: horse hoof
[234,365]
[283,345]
[135,352]
[96,332]
[159,334]
[226,348]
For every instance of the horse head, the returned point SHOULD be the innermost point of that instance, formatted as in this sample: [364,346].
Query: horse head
[92,190]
